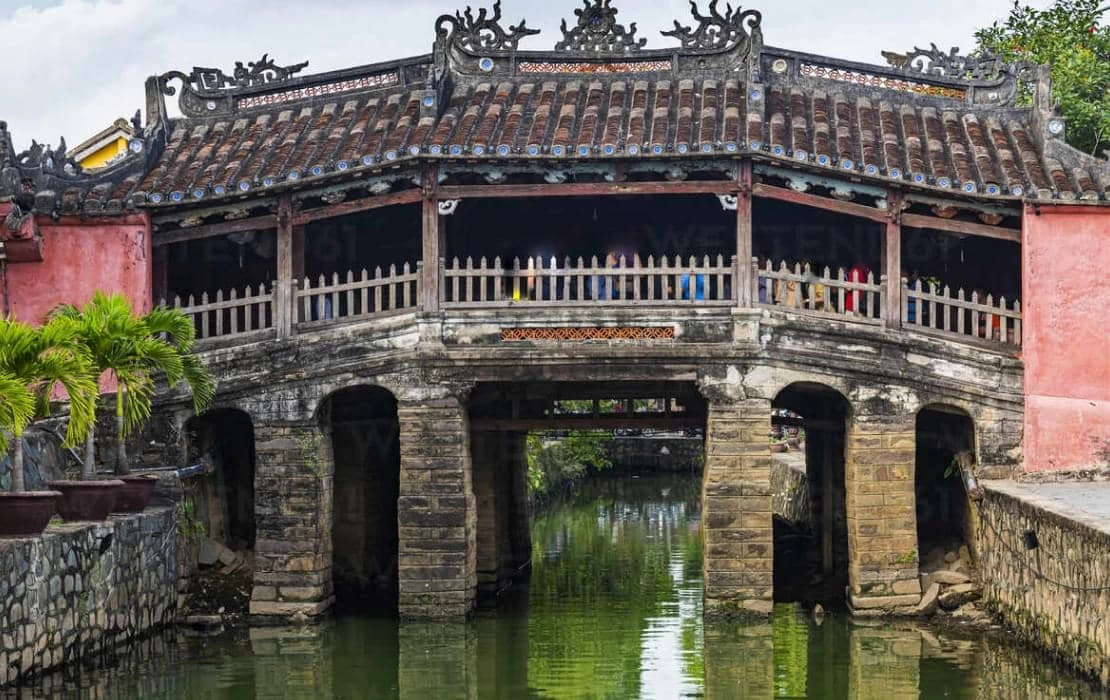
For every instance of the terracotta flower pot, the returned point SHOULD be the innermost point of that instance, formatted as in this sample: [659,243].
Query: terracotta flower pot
[136,493]
[86,500]
[26,514]
[778,447]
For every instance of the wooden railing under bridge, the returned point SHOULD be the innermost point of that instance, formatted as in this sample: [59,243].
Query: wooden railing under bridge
[287,308]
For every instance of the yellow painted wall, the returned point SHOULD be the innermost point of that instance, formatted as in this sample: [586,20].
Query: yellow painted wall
[98,158]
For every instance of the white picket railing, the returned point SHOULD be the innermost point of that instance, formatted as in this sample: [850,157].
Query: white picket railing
[613,282]
[705,282]
[977,316]
[231,314]
[803,290]
[364,296]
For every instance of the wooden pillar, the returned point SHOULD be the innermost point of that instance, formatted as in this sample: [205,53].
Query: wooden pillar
[160,281]
[892,261]
[744,236]
[284,297]
[434,242]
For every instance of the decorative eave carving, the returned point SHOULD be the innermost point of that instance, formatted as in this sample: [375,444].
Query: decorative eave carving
[483,33]
[598,31]
[716,31]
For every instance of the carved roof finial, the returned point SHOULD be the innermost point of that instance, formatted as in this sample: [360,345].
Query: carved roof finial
[481,33]
[716,30]
[598,31]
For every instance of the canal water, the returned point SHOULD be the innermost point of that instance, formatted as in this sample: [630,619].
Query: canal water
[613,611]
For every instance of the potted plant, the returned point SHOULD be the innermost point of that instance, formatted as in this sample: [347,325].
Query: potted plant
[33,362]
[133,350]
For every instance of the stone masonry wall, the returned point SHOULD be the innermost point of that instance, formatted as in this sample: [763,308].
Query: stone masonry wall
[293,510]
[437,511]
[882,523]
[736,505]
[85,588]
[1071,623]
[657,453]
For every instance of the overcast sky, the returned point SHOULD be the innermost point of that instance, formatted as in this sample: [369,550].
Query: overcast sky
[73,66]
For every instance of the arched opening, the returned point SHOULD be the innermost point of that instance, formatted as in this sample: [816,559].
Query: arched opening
[943,515]
[811,528]
[223,501]
[364,431]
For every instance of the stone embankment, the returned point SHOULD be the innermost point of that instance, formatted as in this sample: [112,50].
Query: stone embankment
[1047,548]
[84,589]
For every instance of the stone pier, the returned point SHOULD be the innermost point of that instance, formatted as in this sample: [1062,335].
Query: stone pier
[500,489]
[882,522]
[736,507]
[437,511]
[293,511]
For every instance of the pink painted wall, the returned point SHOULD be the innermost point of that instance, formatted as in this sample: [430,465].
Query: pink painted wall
[1066,336]
[80,257]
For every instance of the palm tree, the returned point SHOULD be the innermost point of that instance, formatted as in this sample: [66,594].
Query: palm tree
[39,360]
[135,349]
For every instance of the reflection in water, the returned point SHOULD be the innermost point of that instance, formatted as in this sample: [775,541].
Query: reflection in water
[613,611]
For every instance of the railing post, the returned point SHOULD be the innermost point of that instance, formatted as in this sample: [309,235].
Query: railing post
[291,307]
[744,235]
[892,262]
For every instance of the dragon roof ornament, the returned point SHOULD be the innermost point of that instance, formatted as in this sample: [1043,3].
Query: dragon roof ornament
[952,65]
[598,31]
[482,33]
[717,31]
[261,72]
[209,90]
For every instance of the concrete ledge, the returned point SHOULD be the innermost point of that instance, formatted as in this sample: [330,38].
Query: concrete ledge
[262,608]
[889,602]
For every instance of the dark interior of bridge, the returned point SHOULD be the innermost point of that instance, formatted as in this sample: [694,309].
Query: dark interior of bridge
[366,448]
[224,499]
[811,554]
[943,514]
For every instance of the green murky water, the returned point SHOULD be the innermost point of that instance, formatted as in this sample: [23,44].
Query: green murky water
[613,611]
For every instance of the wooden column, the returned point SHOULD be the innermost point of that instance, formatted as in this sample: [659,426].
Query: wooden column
[433,241]
[284,298]
[160,271]
[892,261]
[744,236]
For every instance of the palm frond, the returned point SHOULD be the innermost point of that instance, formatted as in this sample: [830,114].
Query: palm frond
[17,408]
[200,381]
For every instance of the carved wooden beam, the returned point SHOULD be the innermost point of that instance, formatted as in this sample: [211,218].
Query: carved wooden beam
[966,227]
[256,223]
[357,205]
[783,194]
[586,189]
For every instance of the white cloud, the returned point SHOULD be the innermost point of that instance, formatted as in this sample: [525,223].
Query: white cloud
[82,63]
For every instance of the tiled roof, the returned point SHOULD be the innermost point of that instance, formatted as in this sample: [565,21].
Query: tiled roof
[882,137]
[477,99]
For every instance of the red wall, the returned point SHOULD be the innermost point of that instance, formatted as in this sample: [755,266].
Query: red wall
[1066,339]
[80,257]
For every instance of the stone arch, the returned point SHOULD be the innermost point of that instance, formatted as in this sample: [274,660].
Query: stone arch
[944,435]
[811,527]
[224,499]
[362,425]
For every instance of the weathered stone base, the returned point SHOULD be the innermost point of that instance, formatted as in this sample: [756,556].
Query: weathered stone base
[284,610]
[83,589]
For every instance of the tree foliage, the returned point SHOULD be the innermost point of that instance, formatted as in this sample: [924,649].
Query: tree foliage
[1067,37]
[39,360]
[553,462]
[135,349]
